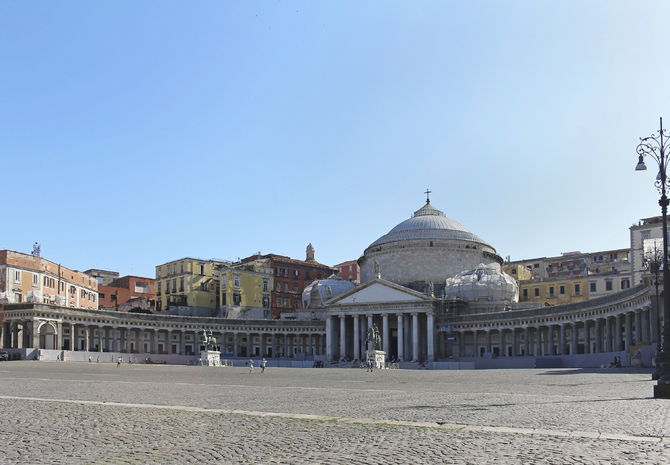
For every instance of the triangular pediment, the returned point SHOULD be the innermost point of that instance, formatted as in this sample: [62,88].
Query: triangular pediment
[378,291]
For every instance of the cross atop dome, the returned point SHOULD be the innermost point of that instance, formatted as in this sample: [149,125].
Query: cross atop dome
[427,196]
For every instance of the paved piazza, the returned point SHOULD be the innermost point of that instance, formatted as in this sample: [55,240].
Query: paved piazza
[55,412]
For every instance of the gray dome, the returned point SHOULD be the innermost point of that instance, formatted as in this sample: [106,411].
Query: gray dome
[484,282]
[316,294]
[429,223]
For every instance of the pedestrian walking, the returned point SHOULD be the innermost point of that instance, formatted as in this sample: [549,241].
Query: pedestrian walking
[58,358]
[89,359]
[251,366]
[118,362]
[98,360]
[263,363]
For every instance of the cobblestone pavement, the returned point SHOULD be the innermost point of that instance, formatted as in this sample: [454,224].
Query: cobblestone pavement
[98,413]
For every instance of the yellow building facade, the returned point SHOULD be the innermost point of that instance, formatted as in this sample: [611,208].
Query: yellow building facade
[188,286]
[246,289]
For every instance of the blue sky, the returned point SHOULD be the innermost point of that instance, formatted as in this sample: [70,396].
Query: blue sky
[135,133]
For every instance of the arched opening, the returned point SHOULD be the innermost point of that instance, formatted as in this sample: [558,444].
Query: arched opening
[47,337]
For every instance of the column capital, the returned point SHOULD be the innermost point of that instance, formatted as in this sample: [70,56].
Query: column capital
[368,315]
[385,315]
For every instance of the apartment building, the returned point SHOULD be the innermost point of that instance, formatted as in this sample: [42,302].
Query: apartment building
[350,271]
[189,286]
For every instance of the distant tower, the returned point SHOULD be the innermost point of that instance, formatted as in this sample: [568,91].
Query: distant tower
[310,253]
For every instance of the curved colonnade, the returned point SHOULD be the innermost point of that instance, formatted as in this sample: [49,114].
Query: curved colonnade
[61,328]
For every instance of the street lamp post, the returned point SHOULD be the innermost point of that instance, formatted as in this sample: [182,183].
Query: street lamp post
[654,259]
[655,146]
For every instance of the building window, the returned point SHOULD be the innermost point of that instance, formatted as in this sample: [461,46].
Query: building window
[167,287]
[551,291]
[181,284]
[223,280]
[578,289]
[174,268]
[160,272]
[202,269]
[525,293]
[536,265]
[159,289]
[287,303]
[592,287]
[285,287]
[537,292]
[297,304]
[513,270]
[236,281]
[279,302]
[625,283]
[266,302]
[181,267]
[223,298]
[237,298]
[266,285]
[286,272]
[296,273]
[174,284]
[295,288]
[318,275]
[277,271]
[17,277]
[278,287]
[307,275]
[561,289]
[608,285]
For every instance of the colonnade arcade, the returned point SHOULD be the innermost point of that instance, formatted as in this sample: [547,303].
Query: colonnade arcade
[608,324]
[60,328]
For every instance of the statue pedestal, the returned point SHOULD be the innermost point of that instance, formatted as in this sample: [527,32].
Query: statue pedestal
[211,358]
[378,358]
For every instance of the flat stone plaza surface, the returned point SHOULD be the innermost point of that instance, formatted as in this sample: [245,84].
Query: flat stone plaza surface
[60,412]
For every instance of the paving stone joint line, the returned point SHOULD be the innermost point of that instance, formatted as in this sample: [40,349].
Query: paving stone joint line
[365,421]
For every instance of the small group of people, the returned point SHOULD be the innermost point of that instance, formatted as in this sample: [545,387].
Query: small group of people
[616,363]
[370,365]
[251,365]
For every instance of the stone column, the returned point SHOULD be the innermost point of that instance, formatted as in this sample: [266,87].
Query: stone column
[357,338]
[182,342]
[168,344]
[363,335]
[575,339]
[101,337]
[501,342]
[461,343]
[617,332]
[526,341]
[475,343]
[646,329]
[274,345]
[343,338]
[488,341]
[562,342]
[587,337]
[329,338]
[638,326]
[287,352]
[514,343]
[415,337]
[538,342]
[262,336]
[608,334]
[407,336]
[87,330]
[236,344]
[598,334]
[401,353]
[430,329]
[550,340]
[385,333]
[629,331]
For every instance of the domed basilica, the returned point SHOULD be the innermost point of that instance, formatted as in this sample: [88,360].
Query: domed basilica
[437,292]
